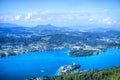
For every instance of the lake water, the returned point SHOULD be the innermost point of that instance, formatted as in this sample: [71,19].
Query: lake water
[47,63]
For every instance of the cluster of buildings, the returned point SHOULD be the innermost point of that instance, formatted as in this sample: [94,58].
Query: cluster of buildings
[68,68]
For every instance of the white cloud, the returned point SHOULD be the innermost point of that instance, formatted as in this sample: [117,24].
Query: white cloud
[108,21]
[66,17]
[6,18]
[28,16]
[18,17]
[91,19]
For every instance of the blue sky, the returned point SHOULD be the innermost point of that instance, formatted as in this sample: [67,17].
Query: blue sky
[60,12]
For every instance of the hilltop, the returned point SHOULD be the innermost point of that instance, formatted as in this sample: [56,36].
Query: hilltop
[16,40]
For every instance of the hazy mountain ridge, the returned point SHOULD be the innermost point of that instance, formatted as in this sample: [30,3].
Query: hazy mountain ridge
[47,29]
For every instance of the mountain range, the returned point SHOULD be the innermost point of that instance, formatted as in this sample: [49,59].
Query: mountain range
[51,29]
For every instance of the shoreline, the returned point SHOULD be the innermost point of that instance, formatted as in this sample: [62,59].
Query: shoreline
[105,70]
[101,50]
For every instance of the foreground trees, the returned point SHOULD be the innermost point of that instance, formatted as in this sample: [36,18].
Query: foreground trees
[104,74]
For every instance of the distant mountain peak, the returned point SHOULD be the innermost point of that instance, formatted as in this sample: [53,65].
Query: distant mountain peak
[9,25]
[47,25]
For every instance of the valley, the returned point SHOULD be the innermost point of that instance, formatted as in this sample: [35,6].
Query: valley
[79,43]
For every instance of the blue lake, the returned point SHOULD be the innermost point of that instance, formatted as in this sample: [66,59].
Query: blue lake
[47,63]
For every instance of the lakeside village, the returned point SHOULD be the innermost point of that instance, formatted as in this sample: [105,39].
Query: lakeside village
[9,50]
[66,69]
[79,43]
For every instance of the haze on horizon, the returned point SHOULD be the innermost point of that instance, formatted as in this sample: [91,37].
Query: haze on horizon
[60,12]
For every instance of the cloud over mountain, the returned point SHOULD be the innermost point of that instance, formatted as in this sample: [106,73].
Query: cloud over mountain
[65,17]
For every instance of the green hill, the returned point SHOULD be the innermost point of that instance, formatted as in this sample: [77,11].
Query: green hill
[103,74]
